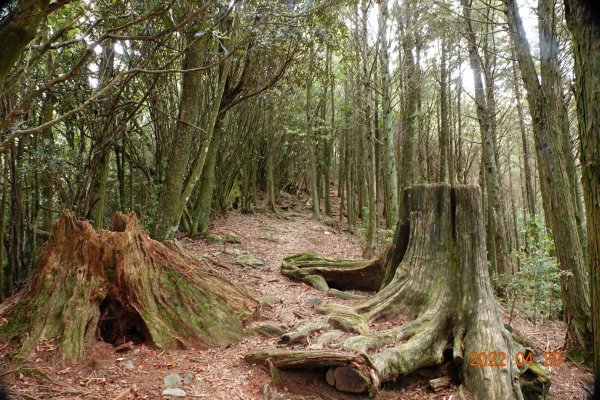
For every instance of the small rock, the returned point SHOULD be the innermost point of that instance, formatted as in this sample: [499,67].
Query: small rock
[314,301]
[211,238]
[128,365]
[172,381]
[270,300]
[174,392]
[136,351]
[246,259]
[232,238]
[188,378]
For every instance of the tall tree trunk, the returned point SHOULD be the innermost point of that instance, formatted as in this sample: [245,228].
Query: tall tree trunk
[444,128]
[492,180]
[556,193]
[100,149]
[584,26]
[461,171]
[528,172]
[369,132]
[555,106]
[204,201]
[390,165]
[3,199]
[312,140]
[406,173]
[169,211]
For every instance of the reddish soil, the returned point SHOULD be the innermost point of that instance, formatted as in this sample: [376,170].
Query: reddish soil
[221,373]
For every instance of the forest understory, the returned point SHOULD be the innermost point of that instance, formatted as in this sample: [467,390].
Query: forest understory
[139,371]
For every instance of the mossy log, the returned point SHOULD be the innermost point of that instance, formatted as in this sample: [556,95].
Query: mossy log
[435,276]
[120,286]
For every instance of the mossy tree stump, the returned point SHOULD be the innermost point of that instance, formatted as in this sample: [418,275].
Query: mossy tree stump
[435,275]
[120,286]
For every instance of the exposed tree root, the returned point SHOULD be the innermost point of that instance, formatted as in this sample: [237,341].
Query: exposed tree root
[435,274]
[121,286]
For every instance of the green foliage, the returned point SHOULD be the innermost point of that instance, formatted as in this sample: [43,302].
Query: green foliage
[536,285]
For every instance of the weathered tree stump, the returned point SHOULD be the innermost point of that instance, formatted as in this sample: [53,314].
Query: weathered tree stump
[120,286]
[435,275]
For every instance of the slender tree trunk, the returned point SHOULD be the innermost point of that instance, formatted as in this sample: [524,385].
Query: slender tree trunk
[204,200]
[528,172]
[369,131]
[3,200]
[312,140]
[444,128]
[327,134]
[555,105]
[100,149]
[461,170]
[390,165]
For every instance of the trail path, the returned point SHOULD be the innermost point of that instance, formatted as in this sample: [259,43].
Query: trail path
[221,373]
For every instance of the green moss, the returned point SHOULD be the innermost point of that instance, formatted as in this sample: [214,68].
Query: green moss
[192,313]
[17,324]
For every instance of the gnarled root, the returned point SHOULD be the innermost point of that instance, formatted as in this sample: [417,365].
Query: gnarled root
[440,284]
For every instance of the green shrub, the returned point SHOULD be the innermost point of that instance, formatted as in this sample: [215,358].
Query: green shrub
[536,284]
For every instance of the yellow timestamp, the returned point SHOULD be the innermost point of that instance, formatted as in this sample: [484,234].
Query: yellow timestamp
[498,359]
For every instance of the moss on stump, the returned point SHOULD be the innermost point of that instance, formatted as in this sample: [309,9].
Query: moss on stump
[120,286]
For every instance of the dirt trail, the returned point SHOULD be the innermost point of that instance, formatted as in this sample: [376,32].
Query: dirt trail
[221,373]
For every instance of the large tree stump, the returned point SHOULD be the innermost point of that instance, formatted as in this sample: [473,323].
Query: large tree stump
[121,286]
[435,275]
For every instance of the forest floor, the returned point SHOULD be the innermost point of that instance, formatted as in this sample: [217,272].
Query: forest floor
[221,373]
